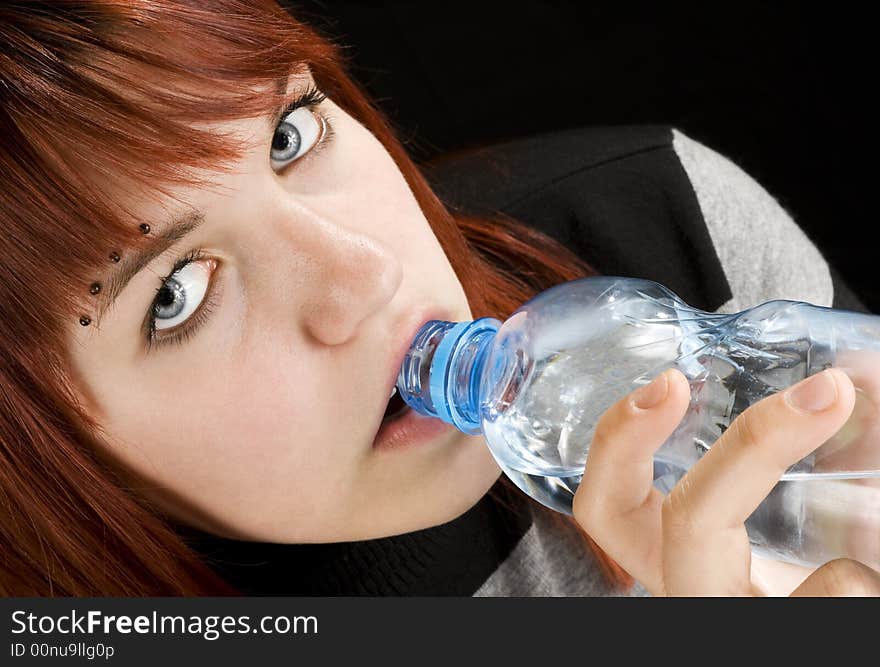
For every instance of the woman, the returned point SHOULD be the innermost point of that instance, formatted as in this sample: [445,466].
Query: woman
[216,252]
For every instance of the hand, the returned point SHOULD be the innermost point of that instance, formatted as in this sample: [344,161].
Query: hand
[693,541]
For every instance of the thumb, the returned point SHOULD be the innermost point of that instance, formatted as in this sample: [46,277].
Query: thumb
[841,577]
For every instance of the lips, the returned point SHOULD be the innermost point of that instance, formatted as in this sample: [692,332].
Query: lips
[402,339]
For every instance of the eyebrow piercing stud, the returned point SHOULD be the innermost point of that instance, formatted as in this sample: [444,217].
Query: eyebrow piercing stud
[95,288]
[85,320]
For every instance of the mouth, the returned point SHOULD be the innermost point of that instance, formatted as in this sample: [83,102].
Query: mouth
[398,417]
[395,409]
[403,428]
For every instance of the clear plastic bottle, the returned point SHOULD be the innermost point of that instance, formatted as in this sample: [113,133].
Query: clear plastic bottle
[536,385]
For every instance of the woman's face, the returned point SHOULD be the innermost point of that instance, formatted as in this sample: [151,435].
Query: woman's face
[253,413]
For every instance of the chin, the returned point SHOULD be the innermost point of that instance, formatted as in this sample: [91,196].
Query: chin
[438,498]
[471,471]
[480,473]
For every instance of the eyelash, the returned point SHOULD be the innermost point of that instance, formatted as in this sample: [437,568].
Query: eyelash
[311,98]
[184,332]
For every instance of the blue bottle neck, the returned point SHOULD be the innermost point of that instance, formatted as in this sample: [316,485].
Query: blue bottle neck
[440,375]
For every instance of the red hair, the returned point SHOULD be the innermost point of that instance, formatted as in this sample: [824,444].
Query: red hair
[94,90]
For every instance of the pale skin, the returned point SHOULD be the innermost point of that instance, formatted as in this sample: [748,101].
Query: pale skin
[260,424]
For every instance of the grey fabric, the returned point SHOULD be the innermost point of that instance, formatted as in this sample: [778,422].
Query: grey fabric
[765,255]
[549,562]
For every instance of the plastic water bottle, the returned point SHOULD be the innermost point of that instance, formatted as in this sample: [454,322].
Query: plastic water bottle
[536,385]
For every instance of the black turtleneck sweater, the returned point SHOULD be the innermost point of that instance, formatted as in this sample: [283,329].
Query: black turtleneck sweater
[645,202]
[454,558]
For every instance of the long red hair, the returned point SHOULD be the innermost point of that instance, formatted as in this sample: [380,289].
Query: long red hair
[109,89]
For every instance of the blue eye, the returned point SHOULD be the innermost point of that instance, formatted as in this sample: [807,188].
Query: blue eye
[296,135]
[184,300]
[181,295]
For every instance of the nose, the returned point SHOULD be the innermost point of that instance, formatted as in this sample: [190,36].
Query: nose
[351,275]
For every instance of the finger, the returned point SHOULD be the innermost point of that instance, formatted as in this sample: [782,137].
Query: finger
[703,515]
[619,471]
[616,502]
[853,447]
[746,462]
[862,367]
[841,577]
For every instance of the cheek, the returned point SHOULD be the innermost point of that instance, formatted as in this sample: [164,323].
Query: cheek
[379,197]
[240,440]
[357,184]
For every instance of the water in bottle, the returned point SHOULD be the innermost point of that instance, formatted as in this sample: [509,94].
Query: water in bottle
[536,385]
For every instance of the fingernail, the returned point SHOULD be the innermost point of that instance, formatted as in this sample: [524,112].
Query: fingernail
[814,394]
[652,393]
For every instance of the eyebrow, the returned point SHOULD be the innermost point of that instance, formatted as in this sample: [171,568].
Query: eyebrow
[135,261]
[173,232]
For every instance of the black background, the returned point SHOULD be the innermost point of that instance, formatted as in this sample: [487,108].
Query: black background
[783,89]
